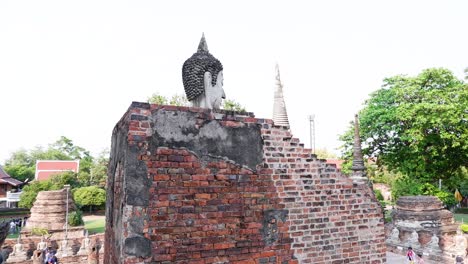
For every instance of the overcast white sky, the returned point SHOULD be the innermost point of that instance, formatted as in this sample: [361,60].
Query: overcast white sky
[72,68]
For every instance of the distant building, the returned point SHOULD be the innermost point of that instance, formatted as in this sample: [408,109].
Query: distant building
[46,168]
[9,190]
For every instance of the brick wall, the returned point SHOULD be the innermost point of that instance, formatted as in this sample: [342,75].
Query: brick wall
[187,185]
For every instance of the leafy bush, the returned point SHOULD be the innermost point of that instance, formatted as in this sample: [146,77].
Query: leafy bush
[89,196]
[157,99]
[30,191]
[446,197]
[406,186]
[39,231]
[378,195]
[388,216]
[464,228]
[461,211]
[233,106]
[380,198]
[61,179]
[75,218]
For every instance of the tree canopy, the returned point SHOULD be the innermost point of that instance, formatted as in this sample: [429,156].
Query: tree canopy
[56,182]
[418,126]
[22,163]
[89,196]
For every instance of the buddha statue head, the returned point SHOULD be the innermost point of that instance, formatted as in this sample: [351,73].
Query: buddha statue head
[202,75]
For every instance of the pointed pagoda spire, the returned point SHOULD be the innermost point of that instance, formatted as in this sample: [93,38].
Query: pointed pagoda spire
[202,47]
[358,173]
[280,115]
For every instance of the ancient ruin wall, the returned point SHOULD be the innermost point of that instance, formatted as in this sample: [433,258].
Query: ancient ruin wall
[190,185]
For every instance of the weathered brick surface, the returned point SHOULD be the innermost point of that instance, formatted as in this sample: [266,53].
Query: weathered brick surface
[330,219]
[187,185]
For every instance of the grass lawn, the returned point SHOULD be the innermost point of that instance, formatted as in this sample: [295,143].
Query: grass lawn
[460,217]
[93,226]
[13,235]
[96,226]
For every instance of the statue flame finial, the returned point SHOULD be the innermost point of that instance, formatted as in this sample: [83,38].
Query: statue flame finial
[203,47]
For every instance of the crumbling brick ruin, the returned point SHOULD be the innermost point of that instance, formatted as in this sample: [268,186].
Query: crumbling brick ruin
[188,185]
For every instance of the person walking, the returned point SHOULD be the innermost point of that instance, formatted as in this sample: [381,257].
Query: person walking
[420,259]
[52,259]
[410,256]
[12,227]
[48,255]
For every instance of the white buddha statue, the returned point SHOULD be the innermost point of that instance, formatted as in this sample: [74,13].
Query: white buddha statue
[202,75]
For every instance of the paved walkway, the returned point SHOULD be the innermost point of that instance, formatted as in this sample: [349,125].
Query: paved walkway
[393,258]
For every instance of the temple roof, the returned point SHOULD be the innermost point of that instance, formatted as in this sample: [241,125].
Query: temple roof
[5,178]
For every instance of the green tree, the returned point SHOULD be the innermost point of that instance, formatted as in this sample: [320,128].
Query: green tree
[90,196]
[75,218]
[22,163]
[56,182]
[30,191]
[99,169]
[417,126]
[69,151]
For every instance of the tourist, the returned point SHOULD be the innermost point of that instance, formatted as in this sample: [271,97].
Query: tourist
[420,259]
[410,255]
[12,227]
[48,255]
[459,260]
[52,259]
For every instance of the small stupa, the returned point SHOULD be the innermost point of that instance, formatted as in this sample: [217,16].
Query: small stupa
[358,170]
[280,115]
[49,212]
[422,223]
